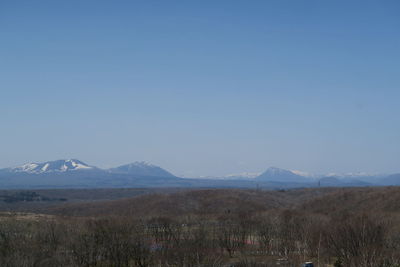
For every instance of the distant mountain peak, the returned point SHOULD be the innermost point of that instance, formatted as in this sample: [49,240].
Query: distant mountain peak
[277,171]
[281,175]
[353,174]
[62,165]
[141,168]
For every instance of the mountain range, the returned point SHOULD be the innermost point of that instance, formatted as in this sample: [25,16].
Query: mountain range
[73,173]
[50,166]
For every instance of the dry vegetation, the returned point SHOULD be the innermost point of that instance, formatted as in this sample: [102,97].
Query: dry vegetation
[214,227]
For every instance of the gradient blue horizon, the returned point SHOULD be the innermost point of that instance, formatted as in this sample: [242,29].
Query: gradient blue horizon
[202,87]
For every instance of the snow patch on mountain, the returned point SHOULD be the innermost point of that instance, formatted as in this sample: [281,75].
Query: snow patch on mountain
[52,166]
[248,175]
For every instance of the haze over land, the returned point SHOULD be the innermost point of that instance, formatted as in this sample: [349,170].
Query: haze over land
[73,173]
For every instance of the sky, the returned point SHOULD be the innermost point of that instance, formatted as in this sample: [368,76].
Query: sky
[202,88]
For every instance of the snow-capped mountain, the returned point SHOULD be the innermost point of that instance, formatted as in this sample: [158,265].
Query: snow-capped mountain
[304,174]
[73,173]
[141,168]
[353,174]
[243,175]
[233,176]
[63,165]
[74,165]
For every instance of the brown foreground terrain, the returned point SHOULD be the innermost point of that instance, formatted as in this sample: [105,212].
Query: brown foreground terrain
[203,227]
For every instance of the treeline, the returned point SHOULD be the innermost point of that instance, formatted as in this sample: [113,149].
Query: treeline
[27,196]
[230,239]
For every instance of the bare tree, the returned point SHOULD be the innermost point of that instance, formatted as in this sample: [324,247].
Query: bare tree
[358,241]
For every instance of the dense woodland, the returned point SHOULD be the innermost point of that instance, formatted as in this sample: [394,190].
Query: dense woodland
[209,227]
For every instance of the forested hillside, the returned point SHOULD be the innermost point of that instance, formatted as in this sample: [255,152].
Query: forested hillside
[210,227]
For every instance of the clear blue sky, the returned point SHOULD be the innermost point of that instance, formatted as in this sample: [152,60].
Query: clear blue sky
[202,87]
